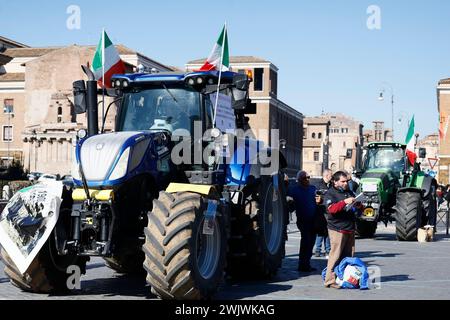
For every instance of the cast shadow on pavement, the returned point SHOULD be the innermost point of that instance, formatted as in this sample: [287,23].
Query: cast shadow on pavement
[375,254]
[243,290]
[119,285]
[397,277]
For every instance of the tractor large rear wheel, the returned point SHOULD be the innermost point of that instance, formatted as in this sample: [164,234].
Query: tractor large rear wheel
[48,271]
[261,234]
[182,262]
[408,215]
[366,229]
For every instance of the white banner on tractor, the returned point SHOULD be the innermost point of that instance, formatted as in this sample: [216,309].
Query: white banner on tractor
[28,220]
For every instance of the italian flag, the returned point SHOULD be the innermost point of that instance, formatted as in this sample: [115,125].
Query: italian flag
[410,143]
[106,62]
[219,58]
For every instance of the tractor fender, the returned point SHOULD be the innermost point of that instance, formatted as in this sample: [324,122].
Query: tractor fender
[426,185]
[410,189]
[206,190]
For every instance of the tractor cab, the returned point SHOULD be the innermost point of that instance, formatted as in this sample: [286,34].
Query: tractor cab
[174,101]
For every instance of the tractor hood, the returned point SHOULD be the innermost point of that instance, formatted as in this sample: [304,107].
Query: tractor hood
[108,159]
[376,180]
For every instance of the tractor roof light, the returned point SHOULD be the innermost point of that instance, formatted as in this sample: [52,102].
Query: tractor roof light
[125,84]
[199,80]
[249,74]
[82,133]
[191,81]
[117,82]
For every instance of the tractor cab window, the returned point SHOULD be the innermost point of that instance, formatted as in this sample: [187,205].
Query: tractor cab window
[392,158]
[160,108]
[209,110]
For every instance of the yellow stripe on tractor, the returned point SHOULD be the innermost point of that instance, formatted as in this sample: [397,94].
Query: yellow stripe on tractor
[203,189]
[101,195]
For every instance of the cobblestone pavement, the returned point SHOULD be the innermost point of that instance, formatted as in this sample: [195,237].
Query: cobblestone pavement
[408,270]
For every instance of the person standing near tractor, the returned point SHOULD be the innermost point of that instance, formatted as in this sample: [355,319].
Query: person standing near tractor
[341,224]
[304,196]
[321,226]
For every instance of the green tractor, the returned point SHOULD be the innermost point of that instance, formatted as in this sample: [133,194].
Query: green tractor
[395,190]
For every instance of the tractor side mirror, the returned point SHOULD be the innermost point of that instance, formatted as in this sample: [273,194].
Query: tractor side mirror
[239,91]
[357,173]
[79,94]
[240,82]
[422,153]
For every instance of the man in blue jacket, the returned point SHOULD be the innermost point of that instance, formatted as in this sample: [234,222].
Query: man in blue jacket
[304,196]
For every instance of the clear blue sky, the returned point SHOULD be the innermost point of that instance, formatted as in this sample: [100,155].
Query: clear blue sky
[327,57]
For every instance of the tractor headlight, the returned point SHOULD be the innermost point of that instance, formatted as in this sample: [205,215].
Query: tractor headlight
[121,167]
[82,133]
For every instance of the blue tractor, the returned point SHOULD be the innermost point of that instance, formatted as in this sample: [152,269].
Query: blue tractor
[168,194]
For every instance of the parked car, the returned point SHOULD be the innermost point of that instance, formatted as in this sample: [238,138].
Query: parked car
[33,176]
[46,177]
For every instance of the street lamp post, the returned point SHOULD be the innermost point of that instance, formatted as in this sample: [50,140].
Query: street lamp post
[381,98]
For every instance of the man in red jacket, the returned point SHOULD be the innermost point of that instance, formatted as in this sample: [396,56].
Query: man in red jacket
[341,224]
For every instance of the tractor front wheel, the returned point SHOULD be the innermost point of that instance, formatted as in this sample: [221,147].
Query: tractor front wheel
[182,260]
[48,271]
[366,229]
[408,215]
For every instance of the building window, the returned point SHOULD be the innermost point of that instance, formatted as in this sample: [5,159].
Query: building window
[304,133]
[7,133]
[313,135]
[59,119]
[258,81]
[344,130]
[329,144]
[316,156]
[320,135]
[8,106]
[344,144]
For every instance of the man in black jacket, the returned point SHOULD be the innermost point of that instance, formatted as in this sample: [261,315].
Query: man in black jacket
[321,225]
[341,224]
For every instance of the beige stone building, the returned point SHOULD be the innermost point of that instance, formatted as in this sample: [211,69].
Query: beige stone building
[345,142]
[39,82]
[377,134]
[443,99]
[271,113]
[12,102]
[315,145]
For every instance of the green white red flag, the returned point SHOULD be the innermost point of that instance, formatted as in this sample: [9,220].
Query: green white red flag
[106,62]
[410,143]
[219,58]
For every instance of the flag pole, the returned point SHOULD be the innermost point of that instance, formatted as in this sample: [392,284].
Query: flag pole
[220,74]
[103,76]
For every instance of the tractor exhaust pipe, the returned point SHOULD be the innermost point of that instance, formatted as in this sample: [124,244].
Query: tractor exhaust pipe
[92,107]
[85,100]
[91,102]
